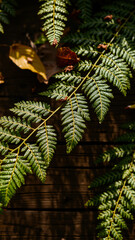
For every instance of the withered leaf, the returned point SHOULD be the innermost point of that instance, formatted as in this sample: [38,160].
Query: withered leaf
[108,17]
[102,46]
[65,57]
[26,58]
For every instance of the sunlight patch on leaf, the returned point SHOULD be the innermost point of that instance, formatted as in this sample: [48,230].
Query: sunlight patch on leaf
[26,58]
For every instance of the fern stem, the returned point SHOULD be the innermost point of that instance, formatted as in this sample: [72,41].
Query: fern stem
[73,121]
[47,142]
[54,3]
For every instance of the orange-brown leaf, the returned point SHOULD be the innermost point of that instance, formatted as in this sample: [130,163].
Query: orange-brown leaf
[66,57]
[102,46]
[108,17]
[26,58]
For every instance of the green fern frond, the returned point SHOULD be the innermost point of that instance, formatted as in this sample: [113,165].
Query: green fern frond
[73,115]
[107,56]
[7,8]
[46,138]
[99,94]
[14,168]
[86,9]
[116,201]
[19,155]
[36,160]
[54,15]
[32,111]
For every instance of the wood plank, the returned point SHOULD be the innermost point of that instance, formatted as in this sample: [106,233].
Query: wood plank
[50,225]
[47,224]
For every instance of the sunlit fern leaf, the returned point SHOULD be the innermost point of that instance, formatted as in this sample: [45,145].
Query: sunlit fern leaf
[115,71]
[38,165]
[120,151]
[41,108]
[86,50]
[54,15]
[15,123]
[73,77]
[4,148]
[125,51]
[9,136]
[73,120]
[59,90]
[47,142]
[32,111]
[19,155]
[14,168]
[99,94]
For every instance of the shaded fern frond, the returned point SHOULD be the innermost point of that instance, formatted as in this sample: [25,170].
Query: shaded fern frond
[86,9]
[7,7]
[116,200]
[54,16]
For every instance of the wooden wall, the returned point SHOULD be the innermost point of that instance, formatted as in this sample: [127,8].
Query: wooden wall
[55,210]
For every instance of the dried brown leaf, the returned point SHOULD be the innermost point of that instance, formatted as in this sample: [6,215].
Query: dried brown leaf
[26,58]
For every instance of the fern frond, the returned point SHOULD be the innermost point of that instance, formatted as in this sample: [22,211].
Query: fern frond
[86,9]
[46,138]
[54,15]
[73,115]
[19,155]
[107,56]
[14,168]
[7,8]
[36,160]
[99,94]
[116,201]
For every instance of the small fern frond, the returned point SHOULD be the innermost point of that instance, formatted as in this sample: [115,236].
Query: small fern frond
[7,7]
[73,115]
[36,160]
[46,138]
[54,15]
[86,9]
[99,94]
[14,168]
[32,111]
